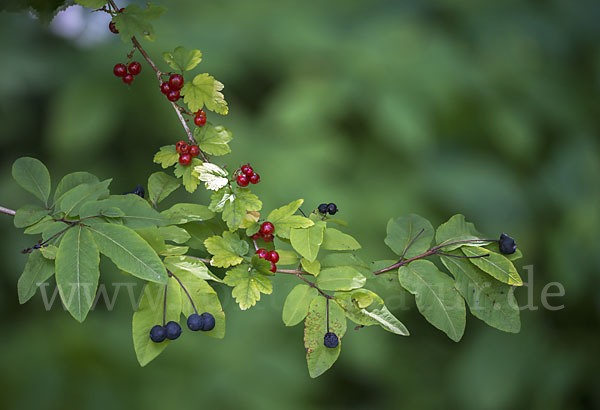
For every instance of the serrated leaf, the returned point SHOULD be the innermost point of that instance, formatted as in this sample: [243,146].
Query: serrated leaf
[188,175]
[284,219]
[297,303]
[200,232]
[134,20]
[313,267]
[437,299]
[33,176]
[202,91]
[234,212]
[183,213]
[136,212]
[340,278]
[457,229]
[72,180]
[129,251]
[213,139]
[167,156]
[150,313]
[494,264]
[402,231]
[77,271]
[247,285]
[37,270]
[335,240]
[181,59]
[488,299]
[227,250]
[213,176]
[318,357]
[160,186]
[192,265]
[71,202]
[220,198]
[307,241]
[28,215]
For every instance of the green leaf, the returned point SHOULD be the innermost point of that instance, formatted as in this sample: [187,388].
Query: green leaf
[181,59]
[234,211]
[457,229]
[260,265]
[247,285]
[202,91]
[49,251]
[167,156]
[160,186]
[284,219]
[183,213]
[313,267]
[150,314]
[136,212]
[77,271]
[346,259]
[188,174]
[227,250]
[32,176]
[92,4]
[495,247]
[340,278]
[134,20]
[213,139]
[213,176]
[205,299]
[318,357]
[28,215]
[435,295]
[402,231]
[173,250]
[71,202]
[307,241]
[154,238]
[174,234]
[192,265]
[335,240]
[488,299]
[494,264]
[296,304]
[287,258]
[129,251]
[201,231]
[72,180]
[37,270]
[40,226]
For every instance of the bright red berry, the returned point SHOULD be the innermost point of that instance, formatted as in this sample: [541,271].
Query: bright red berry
[255,178]
[165,88]
[194,151]
[173,95]
[273,267]
[267,237]
[113,28]
[184,148]
[247,169]
[256,236]
[120,70]
[266,228]
[176,81]
[200,120]
[185,159]
[262,253]
[178,146]
[135,68]
[242,180]
[128,79]
[200,112]
[273,256]
[121,9]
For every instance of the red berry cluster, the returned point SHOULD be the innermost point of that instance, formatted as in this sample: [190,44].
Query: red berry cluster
[200,118]
[120,70]
[171,87]
[186,152]
[272,257]
[247,176]
[265,232]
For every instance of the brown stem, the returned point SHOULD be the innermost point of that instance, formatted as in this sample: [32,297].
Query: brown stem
[184,289]
[7,211]
[299,273]
[404,262]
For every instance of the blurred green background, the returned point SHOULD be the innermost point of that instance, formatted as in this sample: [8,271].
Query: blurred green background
[385,107]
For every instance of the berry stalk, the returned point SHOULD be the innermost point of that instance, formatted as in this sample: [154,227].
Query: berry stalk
[7,211]
[184,289]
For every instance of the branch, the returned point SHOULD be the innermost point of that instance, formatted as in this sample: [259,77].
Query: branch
[299,273]
[7,211]
[402,262]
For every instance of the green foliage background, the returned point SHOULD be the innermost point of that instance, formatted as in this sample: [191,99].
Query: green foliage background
[484,108]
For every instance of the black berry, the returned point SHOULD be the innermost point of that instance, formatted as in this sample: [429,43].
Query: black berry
[139,190]
[507,244]
[332,208]
[331,340]
[323,208]
[195,322]
[158,334]
[173,330]
[209,321]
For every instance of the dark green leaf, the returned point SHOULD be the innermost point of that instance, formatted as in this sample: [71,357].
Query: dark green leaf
[402,231]
[136,212]
[134,20]
[160,186]
[457,229]
[71,202]
[37,270]
[33,176]
[28,215]
[183,213]
[72,180]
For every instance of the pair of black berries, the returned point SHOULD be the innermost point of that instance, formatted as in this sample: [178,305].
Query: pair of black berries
[330,208]
[507,244]
[172,330]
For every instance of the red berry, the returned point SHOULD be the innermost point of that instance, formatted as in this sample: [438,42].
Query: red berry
[255,178]
[184,148]
[200,112]
[273,267]
[135,68]
[267,237]
[262,253]
[247,169]
[173,95]
[121,9]
[273,256]
[120,70]
[128,79]
[113,28]
[176,81]
[164,88]
[242,180]
[255,236]
[185,159]
[200,120]
[266,228]
[194,151]
[178,146]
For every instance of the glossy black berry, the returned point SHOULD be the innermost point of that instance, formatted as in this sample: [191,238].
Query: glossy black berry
[323,208]
[331,340]
[195,322]
[139,190]
[209,321]
[173,330]
[507,244]
[332,208]
[158,334]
